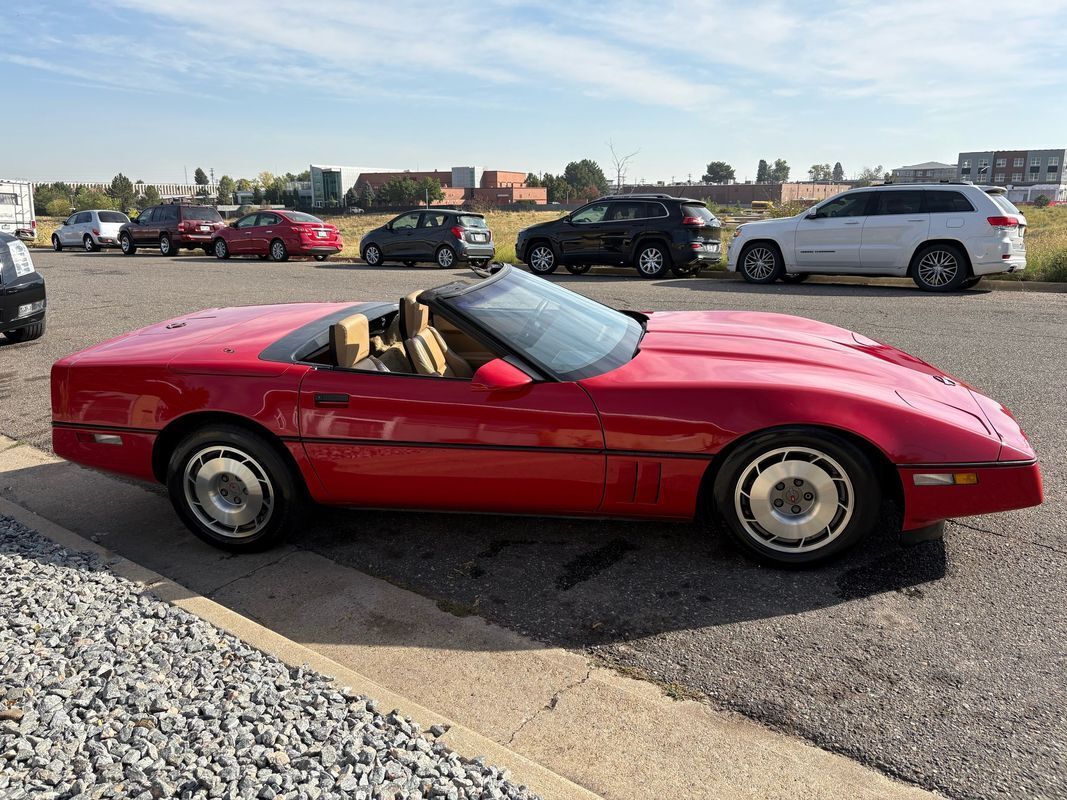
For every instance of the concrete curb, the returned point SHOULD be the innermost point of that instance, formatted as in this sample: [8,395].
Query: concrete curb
[459,738]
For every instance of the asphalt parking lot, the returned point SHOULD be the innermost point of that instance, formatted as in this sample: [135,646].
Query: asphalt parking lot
[942,664]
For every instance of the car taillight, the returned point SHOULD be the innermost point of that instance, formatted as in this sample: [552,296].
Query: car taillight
[1003,222]
[457,231]
[692,221]
[181,225]
[33,224]
[96,232]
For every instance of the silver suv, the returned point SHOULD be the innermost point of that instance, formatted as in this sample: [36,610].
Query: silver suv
[944,236]
[90,230]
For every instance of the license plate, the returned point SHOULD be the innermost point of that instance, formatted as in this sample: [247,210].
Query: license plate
[321,234]
[477,237]
[713,247]
[205,228]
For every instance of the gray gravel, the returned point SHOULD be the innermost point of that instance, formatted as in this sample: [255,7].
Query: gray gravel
[106,691]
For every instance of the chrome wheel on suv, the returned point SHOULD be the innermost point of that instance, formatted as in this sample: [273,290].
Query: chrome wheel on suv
[652,261]
[939,268]
[541,259]
[760,263]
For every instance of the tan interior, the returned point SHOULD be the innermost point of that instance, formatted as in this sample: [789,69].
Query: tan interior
[463,344]
[350,342]
[427,349]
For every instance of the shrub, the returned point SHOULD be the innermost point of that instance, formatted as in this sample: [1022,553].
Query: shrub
[58,207]
[1041,201]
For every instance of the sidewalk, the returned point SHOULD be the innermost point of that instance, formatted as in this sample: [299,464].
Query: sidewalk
[614,736]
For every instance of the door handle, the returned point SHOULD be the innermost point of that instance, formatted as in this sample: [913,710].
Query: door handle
[852,223]
[331,400]
[916,220]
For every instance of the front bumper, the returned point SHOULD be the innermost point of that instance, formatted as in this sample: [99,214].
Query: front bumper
[1001,486]
[22,291]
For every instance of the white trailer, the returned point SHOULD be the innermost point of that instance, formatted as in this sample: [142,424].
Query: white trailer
[17,216]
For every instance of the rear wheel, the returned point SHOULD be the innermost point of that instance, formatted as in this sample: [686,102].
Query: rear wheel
[232,488]
[89,245]
[372,254]
[578,269]
[222,250]
[56,244]
[278,251]
[167,246]
[27,334]
[445,257]
[652,261]
[126,245]
[541,259]
[794,277]
[797,496]
[939,268]
[761,263]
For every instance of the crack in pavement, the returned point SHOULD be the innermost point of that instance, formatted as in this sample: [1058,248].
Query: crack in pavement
[250,573]
[552,702]
[1008,536]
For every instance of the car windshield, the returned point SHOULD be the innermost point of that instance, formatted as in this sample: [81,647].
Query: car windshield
[557,330]
[113,216]
[201,212]
[300,216]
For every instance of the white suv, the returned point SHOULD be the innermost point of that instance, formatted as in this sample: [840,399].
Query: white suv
[945,236]
[90,230]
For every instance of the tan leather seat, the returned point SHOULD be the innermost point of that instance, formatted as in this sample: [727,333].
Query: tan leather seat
[426,347]
[350,342]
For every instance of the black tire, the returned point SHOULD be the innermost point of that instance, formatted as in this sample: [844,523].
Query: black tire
[259,460]
[222,250]
[541,258]
[821,457]
[939,268]
[578,269]
[56,244]
[27,334]
[760,262]
[321,258]
[794,277]
[89,245]
[373,255]
[970,282]
[126,244]
[167,246]
[278,251]
[445,257]
[652,261]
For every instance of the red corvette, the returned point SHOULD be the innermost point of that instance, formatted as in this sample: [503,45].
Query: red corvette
[514,395]
[277,234]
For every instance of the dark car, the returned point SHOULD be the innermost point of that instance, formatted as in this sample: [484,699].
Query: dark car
[440,235]
[171,227]
[22,297]
[652,232]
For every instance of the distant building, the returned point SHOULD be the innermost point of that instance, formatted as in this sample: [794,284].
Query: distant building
[732,194]
[1026,174]
[926,172]
[330,184]
[466,184]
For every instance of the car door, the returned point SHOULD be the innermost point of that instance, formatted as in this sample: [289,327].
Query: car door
[623,223]
[390,440]
[66,232]
[146,228]
[400,238]
[261,234]
[896,225]
[829,236]
[241,240]
[82,225]
[580,235]
[430,234]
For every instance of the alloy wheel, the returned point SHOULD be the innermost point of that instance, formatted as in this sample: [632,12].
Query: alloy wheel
[759,263]
[87,242]
[650,262]
[228,491]
[542,259]
[938,268]
[220,249]
[445,257]
[277,251]
[372,255]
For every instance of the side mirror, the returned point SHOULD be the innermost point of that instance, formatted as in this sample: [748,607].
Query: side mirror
[814,215]
[499,376]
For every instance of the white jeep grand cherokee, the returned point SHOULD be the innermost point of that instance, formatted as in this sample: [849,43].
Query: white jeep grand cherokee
[945,236]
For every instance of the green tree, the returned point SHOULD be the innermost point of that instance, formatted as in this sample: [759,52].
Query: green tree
[718,172]
[226,189]
[820,172]
[45,195]
[366,196]
[780,171]
[243,185]
[151,196]
[122,192]
[763,172]
[585,178]
[399,191]
[85,199]
[57,207]
[532,180]
[868,176]
[838,174]
[257,195]
[200,177]
[265,179]
[430,190]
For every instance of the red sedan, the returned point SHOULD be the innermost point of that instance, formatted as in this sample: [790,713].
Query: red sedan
[277,235]
[514,395]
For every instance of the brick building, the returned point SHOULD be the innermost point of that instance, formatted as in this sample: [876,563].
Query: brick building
[926,172]
[467,184]
[731,194]
[1026,174]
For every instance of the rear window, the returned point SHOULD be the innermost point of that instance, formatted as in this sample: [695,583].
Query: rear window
[698,210]
[201,212]
[938,202]
[300,216]
[1004,203]
[471,221]
[113,216]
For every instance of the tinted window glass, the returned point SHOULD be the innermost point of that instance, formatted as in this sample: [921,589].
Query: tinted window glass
[268,219]
[247,222]
[590,214]
[113,216]
[846,205]
[472,221]
[898,202]
[626,211]
[1004,203]
[300,216]
[83,217]
[657,210]
[406,221]
[698,210]
[433,219]
[148,214]
[165,214]
[947,203]
[201,212]
[70,219]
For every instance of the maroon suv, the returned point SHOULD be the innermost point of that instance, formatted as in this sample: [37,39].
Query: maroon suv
[173,227]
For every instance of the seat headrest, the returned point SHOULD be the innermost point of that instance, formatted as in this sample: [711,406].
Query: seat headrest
[414,316]
[350,339]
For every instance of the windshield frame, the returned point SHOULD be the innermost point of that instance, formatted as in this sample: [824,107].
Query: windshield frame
[438,300]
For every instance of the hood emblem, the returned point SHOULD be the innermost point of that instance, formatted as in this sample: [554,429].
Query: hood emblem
[944,380]
[173,325]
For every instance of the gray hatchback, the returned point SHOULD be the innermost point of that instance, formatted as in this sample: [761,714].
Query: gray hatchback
[440,235]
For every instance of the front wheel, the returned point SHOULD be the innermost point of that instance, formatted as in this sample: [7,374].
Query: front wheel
[232,488]
[126,245]
[541,259]
[56,244]
[372,254]
[797,496]
[652,261]
[761,263]
[278,251]
[939,268]
[89,245]
[222,250]
[445,257]
[578,269]
[27,334]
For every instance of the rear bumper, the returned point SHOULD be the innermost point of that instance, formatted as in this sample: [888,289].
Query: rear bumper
[24,291]
[194,239]
[1001,486]
[468,250]
[317,250]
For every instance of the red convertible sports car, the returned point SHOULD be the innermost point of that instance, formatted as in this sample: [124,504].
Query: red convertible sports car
[514,395]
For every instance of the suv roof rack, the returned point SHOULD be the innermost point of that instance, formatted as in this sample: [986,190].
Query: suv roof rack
[640,195]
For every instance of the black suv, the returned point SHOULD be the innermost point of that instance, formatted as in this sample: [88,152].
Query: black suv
[652,232]
[172,227]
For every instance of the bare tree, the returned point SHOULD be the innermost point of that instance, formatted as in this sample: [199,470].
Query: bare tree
[620,163]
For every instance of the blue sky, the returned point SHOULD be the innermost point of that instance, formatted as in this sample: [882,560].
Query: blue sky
[151,87]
